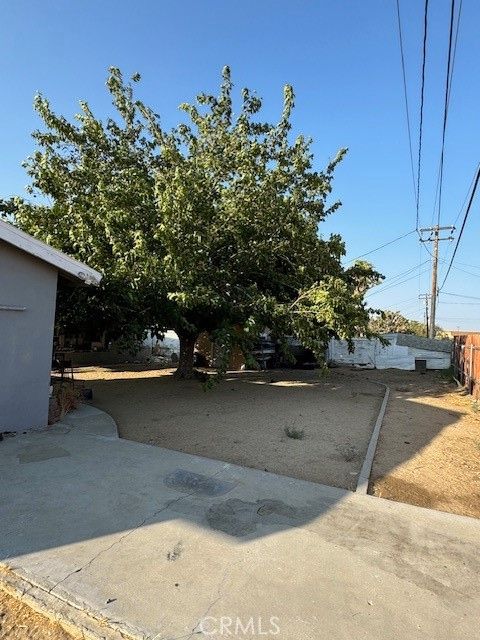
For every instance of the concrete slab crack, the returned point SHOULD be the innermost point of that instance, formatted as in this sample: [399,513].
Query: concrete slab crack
[196,630]
[119,540]
[220,595]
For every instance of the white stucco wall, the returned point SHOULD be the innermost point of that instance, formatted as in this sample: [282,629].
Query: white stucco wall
[372,353]
[27,313]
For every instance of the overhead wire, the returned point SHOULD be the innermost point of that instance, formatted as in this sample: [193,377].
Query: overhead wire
[471,266]
[450,82]
[397,276]
[400,302]
[469,273]
[462,228]
[460,295]
[454,50]
[420,132]
[391,285]
[458,216]
[405,93]
[386,244]
[446,105]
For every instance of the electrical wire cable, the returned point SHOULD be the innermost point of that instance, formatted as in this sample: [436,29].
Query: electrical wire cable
[455,49]
[396,284]
[469,273]
[400,302]
[471,266]
[420,132]
[445,110]
[405,93]
[384,245]
[467,211]
[460,295]
[398,276]
[457,218]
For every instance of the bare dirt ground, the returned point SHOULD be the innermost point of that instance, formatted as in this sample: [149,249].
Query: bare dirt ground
[19,622]
[243,419]
[428,452]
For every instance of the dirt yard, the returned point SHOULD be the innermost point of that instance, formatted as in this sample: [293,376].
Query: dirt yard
[243,419]
[19,622]
[428,453]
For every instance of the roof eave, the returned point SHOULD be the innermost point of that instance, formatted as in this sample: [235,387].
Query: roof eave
[61,261]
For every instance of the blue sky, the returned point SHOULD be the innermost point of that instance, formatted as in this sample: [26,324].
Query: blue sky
[343,60]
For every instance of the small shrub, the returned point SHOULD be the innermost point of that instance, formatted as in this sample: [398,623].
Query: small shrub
[65,398]
[294,434]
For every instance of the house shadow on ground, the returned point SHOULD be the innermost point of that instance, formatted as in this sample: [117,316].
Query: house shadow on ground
[77,487]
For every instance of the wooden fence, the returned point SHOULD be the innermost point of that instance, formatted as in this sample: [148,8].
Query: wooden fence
[466,362]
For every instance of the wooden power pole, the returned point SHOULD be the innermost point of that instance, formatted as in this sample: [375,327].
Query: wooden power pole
[426,297]
[435,238]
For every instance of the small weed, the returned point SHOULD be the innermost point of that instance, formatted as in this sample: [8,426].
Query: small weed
[475,406]
[294,434]
[348,452]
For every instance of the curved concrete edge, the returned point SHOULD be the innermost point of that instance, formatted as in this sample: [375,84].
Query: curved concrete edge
[364,476]
[78,622]
[89,420]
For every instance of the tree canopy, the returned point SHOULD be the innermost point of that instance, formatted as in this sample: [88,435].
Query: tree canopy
[395,322]
[210,226]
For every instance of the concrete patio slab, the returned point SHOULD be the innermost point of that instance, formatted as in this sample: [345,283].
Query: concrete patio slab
[89,421]
[106,532]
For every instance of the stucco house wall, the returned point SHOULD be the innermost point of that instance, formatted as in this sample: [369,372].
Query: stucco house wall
[29,270]
[27,313]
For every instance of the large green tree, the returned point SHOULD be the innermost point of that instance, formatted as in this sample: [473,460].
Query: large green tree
[212,226]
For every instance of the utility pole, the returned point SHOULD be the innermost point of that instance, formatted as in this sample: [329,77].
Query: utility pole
[435,238]
[426,297]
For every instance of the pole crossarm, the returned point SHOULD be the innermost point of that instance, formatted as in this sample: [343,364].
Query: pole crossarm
[435,238]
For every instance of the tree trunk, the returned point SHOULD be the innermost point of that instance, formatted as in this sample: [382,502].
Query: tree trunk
[185,370]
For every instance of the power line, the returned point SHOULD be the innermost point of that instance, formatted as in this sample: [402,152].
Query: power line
[420,133]
[458,216]
[471,266]
[384,245]
[449,83]
[409,308]
[469,273]
[407,111]
[466,198]
[396,284]
[462,303]
[445,111]
[455,49]
[392,279]
[400,302]
[467,211]
[459,295]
